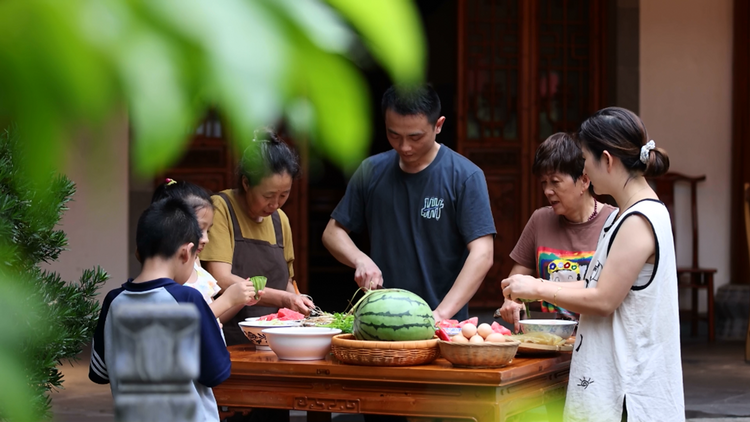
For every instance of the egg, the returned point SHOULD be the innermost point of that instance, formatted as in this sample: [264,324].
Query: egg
[459,338]
[484,330]
[469,330]
[476,338]
[495,338]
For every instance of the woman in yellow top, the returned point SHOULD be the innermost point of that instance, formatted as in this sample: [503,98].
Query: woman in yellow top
[251,235]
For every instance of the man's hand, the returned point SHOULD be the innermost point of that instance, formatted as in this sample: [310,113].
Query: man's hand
[437,316]
[367,275]
[511,312]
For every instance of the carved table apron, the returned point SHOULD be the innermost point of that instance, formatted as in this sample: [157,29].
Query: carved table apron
[260,379]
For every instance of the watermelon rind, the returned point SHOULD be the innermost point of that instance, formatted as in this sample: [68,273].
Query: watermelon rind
[393,315]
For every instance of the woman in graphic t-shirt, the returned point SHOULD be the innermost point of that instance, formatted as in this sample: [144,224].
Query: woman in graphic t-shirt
[558,240]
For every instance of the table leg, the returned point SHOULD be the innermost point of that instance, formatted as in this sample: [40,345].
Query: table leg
[694,279]
[710,290]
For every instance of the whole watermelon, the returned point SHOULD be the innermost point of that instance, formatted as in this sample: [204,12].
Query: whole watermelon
[393,315]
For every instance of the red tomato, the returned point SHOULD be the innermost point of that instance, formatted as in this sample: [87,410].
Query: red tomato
[442,335]
[497,328]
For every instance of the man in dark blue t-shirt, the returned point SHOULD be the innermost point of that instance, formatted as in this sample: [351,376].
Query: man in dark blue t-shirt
[426,209]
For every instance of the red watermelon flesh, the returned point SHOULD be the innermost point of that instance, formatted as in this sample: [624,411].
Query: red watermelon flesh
[286,314]
[448,323]
[497,328]
[269,317]
[473,320]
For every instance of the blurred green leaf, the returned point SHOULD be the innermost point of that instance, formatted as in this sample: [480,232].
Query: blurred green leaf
[19,311]
[64,64]
[322,26]
[159,111]
[339,95]
[244,56]
[392,32]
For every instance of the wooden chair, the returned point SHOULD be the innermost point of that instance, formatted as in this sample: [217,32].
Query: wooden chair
[693,277]
[747,232]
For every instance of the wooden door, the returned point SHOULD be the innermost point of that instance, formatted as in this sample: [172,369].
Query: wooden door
[740,258]
[526,69]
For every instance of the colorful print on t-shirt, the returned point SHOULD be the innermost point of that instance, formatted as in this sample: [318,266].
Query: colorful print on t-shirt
[561,266]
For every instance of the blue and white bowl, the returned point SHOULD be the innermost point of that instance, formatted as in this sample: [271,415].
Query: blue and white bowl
[452,331]
[558,327]
[253,330]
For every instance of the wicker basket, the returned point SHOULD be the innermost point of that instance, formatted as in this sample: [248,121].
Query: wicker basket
[347,349]
[483,355]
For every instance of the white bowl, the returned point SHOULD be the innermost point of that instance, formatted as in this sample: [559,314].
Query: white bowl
[253,330]
[558,327]
[300,343]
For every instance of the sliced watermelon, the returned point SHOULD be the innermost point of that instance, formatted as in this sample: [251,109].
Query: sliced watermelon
[447,323]
[286,314]
[269,317]
[497,328]
[474,320]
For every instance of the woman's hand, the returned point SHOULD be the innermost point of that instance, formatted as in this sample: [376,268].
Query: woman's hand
[367,274]
[520,286]
[298,303]
[511,312]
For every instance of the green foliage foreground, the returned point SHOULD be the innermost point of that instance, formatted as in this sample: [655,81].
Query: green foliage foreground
[76,64]
[45,320]
[73,62]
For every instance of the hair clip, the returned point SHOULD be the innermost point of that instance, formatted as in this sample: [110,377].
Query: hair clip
[170,181]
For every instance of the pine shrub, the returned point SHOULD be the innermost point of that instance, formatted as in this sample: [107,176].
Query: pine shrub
[58,317]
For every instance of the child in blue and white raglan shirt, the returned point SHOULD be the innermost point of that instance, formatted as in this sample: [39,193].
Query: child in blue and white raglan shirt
[167,237]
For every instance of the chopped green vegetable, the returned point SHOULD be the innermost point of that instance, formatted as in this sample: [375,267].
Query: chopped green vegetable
[341,321]
[526,305]
[259,282]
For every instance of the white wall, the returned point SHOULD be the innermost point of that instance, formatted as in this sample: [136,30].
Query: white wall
[97,220]
[685,101]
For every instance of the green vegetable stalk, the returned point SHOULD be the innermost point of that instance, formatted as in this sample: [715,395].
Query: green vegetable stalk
[526,305]
[342,321]
[259,282]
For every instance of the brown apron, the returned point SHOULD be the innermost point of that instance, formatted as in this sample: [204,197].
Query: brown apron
[254,257]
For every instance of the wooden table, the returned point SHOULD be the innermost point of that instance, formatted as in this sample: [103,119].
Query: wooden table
[260,379]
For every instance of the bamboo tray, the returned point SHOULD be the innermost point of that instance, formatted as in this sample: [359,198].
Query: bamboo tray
[349,350]
[543,349]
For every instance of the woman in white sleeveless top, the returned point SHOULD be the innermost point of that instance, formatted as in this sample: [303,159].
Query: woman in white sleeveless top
[626,360]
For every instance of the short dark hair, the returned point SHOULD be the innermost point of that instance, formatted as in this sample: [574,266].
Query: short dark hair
[194,195]
[408,100]
[164,226]
[622,133]
[267,155]
[558,154]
